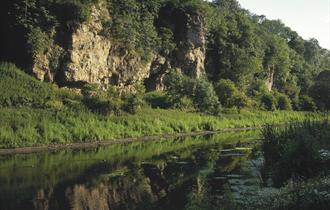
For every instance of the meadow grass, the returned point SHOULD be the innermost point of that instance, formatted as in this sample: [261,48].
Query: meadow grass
[35,113]
[21,127]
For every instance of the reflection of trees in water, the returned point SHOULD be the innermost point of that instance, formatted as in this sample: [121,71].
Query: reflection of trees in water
[125,192]
[82,198]
[160,180]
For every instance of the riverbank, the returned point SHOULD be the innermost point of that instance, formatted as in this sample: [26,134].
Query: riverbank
[55,147]
[27,127]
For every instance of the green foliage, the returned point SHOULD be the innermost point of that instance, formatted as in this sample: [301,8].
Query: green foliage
[89,90]
[132,103]
[307,103]
[293,152]
[30,127]
[232,46]
[48,14]
[320,91]
[268,101]
[18,89]
[38,41]
[205,97]
[303,195]
[100,101]
[55,105]
[157,99]
[200,91]
[283,102]
[239,46]
[167,44]
[132,24]
[230,96]
[184,103]
[245,48]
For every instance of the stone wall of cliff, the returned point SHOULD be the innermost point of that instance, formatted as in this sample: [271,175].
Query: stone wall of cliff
[90,57]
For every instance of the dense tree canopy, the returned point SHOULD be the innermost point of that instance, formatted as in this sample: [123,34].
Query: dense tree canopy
[246,49]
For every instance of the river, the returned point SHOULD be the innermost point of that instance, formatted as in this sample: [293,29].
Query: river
[204,172]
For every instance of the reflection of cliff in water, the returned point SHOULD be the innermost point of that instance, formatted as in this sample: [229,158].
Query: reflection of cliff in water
[160,181]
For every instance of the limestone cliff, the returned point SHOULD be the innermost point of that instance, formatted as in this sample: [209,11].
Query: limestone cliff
[90,57]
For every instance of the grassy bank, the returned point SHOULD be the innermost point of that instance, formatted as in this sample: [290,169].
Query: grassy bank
[21,127]
[297,157]
[35,113]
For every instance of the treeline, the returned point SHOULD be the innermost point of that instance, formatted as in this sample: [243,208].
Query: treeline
[250,61]
[264,58]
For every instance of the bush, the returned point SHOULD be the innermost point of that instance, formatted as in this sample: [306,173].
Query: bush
[132,103]
[283,102]
[230,96]
[307,103]
[199,91]
[132,25]
[55,105]
[268,102]
[101,102]
[205,97]
[38,41]
[184,103]
[320,91]
[157,99]
[257,88]
[19,89]
[225,90]
[89,90]
[293,152]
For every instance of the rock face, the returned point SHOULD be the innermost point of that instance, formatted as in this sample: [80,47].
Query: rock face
[91,57]
[194,55]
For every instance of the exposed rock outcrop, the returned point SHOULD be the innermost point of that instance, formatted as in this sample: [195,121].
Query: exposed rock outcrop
[194,54]
[91,57]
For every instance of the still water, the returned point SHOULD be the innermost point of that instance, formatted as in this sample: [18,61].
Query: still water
[205,172]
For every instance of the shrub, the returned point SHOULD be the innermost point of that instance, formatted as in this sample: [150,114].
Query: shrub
[38,41]
[55,105]
[184,103]
[19,89]
[307,103]
[283,102]
[240,100]
[320,91]
[200,91]
[293,152]
[132,25]
[89,90]
[102,102]
[167,43]
[205,97]
[268,102]
[132,103]
[230,96]
[157,99]
[225,90]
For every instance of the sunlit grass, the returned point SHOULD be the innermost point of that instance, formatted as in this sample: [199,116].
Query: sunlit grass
[29,127]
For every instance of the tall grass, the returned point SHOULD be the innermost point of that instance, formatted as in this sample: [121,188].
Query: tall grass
[29,127]
[35,113]
[293,152]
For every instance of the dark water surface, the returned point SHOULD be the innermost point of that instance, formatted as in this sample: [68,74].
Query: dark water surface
[206,172]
